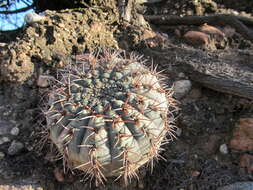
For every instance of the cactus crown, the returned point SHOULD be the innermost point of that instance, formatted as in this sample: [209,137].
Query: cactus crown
[108,115]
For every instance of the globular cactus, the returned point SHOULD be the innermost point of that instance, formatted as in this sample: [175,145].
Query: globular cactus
[108,115]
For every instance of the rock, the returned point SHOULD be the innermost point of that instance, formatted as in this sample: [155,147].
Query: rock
[15,148]
[243,136]
[20,187]
[4,140]
[5,127]
[14,131]
[217,33]
[178,132]
[33,17]
[181,75]
[181,88]
[248,185]
[2,44]
[246,161]
[223,149]
[195,173]
[197,38]
[2,155]
[42,81]
[212,144]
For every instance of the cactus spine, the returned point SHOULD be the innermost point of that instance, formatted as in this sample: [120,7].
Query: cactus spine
[108,115]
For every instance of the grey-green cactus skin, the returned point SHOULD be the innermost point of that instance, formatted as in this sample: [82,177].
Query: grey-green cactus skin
[108,114]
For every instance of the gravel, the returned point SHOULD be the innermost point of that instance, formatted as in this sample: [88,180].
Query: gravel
[181,88]
[15,148]
[223,149]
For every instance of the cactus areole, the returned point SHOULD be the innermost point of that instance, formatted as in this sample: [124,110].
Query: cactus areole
[108,115]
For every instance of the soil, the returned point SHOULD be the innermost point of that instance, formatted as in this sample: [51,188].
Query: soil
[206,118]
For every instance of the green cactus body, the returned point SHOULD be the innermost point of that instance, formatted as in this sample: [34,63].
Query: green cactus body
[108,115]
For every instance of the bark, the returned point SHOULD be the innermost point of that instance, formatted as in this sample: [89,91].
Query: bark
[230,72]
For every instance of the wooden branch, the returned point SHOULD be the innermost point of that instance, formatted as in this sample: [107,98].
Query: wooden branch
[245,20]
[231,73]
[222,19]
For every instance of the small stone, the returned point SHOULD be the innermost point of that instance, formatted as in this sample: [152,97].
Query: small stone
[5,127]
[181,88]
[15,148]
[15,131]
[195,173]
[234,12]
[4,140]
[2,44]
[181,75]
[223,149]
[42,81]
[178,132]
[208,29]
[2,155]
[197,38]
[33,17]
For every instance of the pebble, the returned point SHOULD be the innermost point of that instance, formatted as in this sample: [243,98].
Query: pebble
[238,186]
[5,127]
[181,75]
[208,29]
[181,88]
[195,173]
[4,140]
[2,155]
[15,148]
[14,131]
[197,38]
[178,132]
[33,17]
[42,81]
[223,149]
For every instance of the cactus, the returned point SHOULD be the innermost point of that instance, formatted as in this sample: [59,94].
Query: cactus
[108,115]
